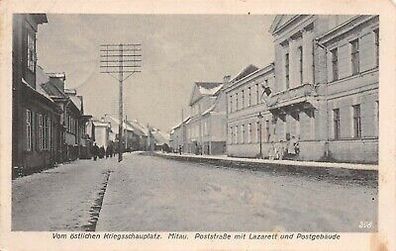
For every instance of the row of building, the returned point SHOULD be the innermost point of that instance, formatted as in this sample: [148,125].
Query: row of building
[136,137]
[48,123]
[321,89]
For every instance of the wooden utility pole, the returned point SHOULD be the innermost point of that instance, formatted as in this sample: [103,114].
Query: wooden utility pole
[120,58]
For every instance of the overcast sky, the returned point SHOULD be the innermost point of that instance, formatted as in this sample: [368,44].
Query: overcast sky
[177,50]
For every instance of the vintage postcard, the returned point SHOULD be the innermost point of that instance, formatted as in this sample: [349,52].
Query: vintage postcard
[214,125]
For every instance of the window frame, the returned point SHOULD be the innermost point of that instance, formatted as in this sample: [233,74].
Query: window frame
[31,50]
[287,70]
[250,96]
[357,121]
[336,124]
[355,56]
[301,63]
[29,130]
[334,63]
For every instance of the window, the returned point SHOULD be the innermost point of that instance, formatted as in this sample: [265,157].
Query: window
[300,61]
[257,94]
[31,53]
[230,103]
[236,102]
[249,136]
[336,122]
[357,126]
[334,63]
[376,37]
[49,133]
[242,134]
[243,99]
[236,135]
[258,131]
[28,130]
[231,139]
[40,131]
[45,133]
[250,96]
[287,70]
[355,56]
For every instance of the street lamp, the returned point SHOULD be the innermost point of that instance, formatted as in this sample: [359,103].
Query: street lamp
[260,116]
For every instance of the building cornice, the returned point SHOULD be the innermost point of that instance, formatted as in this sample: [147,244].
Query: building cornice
[345,27]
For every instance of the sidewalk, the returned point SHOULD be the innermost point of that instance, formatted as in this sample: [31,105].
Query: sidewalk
[313,164]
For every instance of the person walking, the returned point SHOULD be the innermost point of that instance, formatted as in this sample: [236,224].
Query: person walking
[271,151]
[95,151]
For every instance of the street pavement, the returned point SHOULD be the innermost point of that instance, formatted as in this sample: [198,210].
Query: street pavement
[151,193]
[60,198]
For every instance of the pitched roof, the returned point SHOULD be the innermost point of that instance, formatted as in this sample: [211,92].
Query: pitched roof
[160,137]
[279,21]
[201,89]
[40,91]
[52,89]
[113,121]
[244,72]
[138,128]
[76,101]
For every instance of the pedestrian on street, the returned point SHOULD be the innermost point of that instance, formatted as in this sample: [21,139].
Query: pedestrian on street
[95,151]
[107,152]
[291,147]
[180,150]
[110,147]
[271,151]
[101,152]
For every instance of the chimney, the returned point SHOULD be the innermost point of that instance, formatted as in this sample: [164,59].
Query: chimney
[58,79]
[226,79]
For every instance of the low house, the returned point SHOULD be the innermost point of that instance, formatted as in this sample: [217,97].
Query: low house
[99,131]
[72,118]
[35,124]
[134,134]
[161,140]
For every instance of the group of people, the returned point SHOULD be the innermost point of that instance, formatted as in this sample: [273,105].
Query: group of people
[284,149]
[101,152]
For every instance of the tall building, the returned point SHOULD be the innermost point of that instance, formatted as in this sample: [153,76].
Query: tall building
[324,93]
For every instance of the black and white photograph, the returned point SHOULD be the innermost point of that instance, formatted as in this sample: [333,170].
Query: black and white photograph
[139,125]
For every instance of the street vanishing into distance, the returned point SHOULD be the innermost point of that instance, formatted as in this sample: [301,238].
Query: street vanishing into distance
[152,193]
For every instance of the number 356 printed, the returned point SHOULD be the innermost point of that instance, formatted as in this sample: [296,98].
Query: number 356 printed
[365,224]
